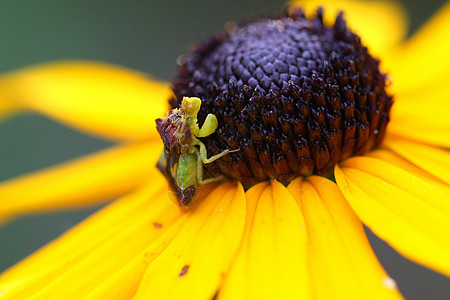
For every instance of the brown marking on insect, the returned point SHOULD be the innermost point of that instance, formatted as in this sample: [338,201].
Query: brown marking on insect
[184,270]
[187,194]
[175,133]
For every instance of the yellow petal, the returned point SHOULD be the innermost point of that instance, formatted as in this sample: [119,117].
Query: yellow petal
[85,256]
[194,264]
[407,212]
[423,116]
[424,99]
[342,263]
[398,161]
[7,107]
[99,99]
[271,263]
[97,177]
[123,282]
[422,62]
[433,160]
[427,134]
[380,24]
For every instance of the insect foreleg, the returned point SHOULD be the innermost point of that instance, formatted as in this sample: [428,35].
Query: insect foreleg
[208,127]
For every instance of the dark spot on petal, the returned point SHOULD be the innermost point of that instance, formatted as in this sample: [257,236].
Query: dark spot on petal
[157,225]
[184,270]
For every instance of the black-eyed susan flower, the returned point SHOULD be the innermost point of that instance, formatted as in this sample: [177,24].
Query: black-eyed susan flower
[325,142]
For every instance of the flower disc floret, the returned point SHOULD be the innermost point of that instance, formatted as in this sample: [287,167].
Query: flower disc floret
[294,95]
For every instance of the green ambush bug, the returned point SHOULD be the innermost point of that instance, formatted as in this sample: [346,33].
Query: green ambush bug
[184,154]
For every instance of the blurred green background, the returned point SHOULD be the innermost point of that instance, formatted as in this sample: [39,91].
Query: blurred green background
[143,35]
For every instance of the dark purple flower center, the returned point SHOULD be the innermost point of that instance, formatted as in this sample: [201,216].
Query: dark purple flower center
[293,95]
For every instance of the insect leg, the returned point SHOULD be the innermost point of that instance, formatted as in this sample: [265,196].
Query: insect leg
[212,179]
[200,171]
[199,166]
[206,160]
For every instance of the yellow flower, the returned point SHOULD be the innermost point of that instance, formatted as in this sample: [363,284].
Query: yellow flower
[301,241]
